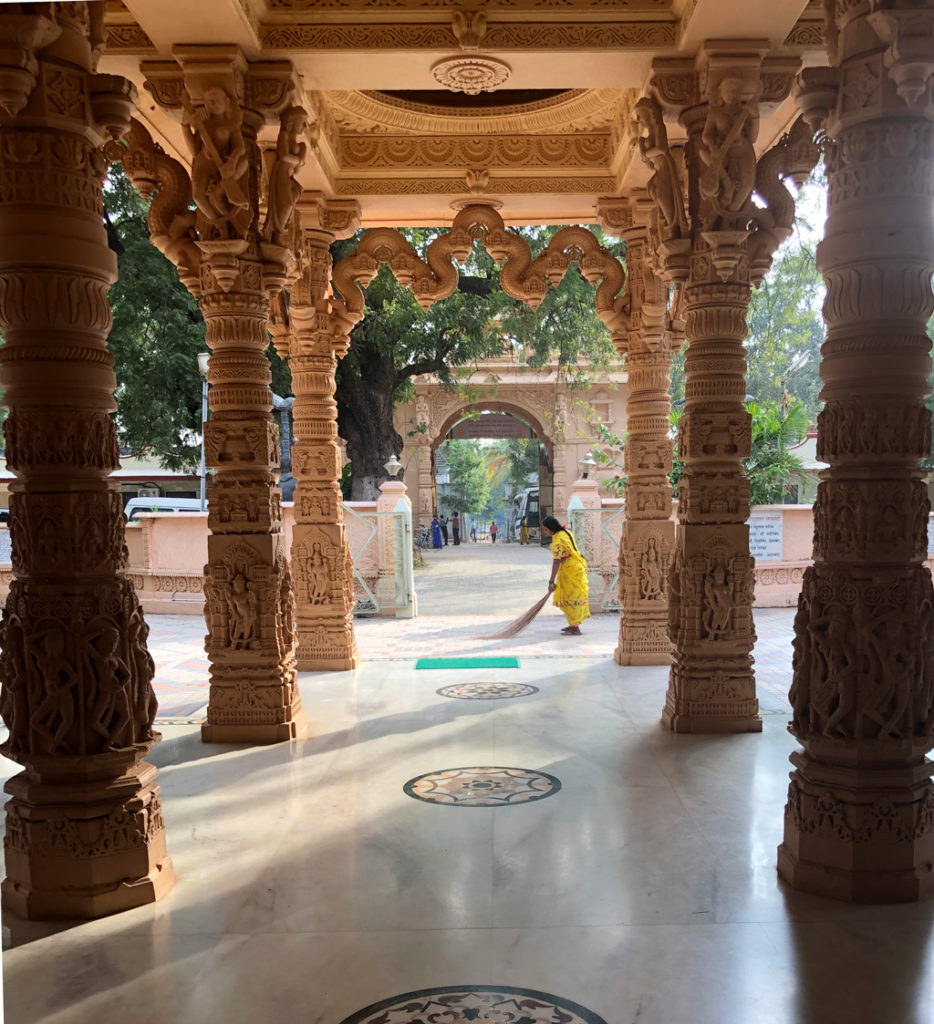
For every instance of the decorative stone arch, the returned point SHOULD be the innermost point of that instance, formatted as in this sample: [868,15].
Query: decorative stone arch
[518,408]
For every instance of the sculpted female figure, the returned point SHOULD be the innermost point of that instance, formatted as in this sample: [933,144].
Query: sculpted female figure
[665,184]
[218,158]
[284,190]
[727,149]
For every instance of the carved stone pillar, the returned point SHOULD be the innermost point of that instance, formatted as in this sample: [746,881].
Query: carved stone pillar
[710,248]
[648,534]
[321,559]
[84,829]
[859,822]
[236,264]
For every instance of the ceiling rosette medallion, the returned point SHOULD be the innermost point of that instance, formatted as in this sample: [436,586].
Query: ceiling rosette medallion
[471,73]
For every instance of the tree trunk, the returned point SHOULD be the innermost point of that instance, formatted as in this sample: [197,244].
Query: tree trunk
[364,418]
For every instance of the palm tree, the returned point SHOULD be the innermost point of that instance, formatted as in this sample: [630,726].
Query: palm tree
[771,467]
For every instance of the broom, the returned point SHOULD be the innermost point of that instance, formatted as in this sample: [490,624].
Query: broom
[517,625]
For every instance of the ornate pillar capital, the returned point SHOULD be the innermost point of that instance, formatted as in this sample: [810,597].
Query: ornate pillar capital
[340,218]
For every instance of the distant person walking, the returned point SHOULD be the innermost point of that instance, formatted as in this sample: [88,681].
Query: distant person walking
[443,523]
[523,531]
[568,576]
[493,532]
[435,532]
[473,531]
[456,527]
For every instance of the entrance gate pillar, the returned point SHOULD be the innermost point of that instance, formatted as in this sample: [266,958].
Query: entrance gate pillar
[648,534]
[84,829]
[236,261]
[319,336]
[711,685]
[859,821]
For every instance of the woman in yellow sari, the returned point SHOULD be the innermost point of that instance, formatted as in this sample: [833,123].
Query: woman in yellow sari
[568,576]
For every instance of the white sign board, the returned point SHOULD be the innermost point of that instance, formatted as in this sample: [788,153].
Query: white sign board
[931,533]
[765,536]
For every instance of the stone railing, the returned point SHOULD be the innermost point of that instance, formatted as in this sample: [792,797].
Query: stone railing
[781,538]
[168,552]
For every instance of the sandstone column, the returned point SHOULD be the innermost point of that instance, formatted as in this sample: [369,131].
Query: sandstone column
[859,822]
[712,687]
[319,336]
[648,534]
[84,829]
[239,261]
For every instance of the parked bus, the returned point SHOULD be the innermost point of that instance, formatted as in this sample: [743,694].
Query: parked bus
[525,504]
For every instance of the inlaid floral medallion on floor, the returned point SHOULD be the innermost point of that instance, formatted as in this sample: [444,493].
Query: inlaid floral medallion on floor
[485,1004]
[486,691]
[482,787]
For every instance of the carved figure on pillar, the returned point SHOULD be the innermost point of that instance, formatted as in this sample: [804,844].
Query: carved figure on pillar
[284,189]
[712,687]
[664,187]
[224,260]
[727,151]
[219,163]
[84,833]
[859,821]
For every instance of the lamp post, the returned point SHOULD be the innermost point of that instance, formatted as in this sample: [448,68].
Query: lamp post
[796,365]
[393,466]
[203,358]
[586,464]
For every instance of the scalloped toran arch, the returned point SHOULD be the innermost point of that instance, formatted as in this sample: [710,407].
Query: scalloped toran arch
[521,276]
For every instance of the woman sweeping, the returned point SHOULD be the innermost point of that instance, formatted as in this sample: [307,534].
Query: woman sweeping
[568,576]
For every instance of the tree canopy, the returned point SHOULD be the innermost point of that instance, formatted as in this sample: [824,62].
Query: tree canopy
[157,334]
[469,488]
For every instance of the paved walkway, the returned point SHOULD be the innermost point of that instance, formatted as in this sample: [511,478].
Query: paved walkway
[464,593]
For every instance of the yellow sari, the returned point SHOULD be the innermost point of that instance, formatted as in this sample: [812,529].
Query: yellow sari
[571,580]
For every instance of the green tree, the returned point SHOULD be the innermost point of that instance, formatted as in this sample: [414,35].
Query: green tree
[157,334]
[510,462]
[785,319]
[770,467]
[469,487]
[396,341]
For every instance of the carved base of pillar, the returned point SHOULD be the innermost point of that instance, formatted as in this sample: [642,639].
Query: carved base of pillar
[255,733]
[310,663]
[624,656]
[82,847]
[643,639]
[712,704]
[246,712]
[324,649]
[860,832]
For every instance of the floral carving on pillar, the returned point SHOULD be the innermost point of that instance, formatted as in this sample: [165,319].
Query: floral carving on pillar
[652,334]
[318,336]
[236,267]
[859,822]
[715,253]
[85,835]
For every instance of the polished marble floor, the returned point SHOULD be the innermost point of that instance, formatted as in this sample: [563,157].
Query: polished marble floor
[312,887]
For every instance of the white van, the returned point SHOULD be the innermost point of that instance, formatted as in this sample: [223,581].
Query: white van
[158,504]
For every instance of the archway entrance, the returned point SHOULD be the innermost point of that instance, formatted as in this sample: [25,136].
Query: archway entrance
[492,467]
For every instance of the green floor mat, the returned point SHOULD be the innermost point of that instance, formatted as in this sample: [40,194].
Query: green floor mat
[467,663]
